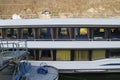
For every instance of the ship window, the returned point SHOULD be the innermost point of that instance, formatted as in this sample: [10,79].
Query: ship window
[31,33]
[25,33]
[63,55]
[98,33]
[115,33]
[114,54]
[15,33]
[81,55]
[81,33]
[98,54]
[8,35]
[11,33]
[31,55]
[0,33]
[46,54]
[101,30]
[28,33]
[63,33]
[45,33]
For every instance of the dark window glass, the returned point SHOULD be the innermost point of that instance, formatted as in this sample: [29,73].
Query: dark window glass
[98,33]
[25,33]
[45,53]
[28,33]
[45,33]
[81,33]
[115,33]
[115,53]
[63,33]
[11,33]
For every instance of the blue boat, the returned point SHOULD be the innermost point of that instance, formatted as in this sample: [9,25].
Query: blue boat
[25,71]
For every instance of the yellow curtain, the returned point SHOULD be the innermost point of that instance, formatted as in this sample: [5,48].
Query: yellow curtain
[102,30]
[81,55]
[83,31]
[98,54]
[63,55]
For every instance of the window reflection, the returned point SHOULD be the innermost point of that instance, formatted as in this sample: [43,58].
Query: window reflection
[81,33]
[63,55]
[98,54]
[45,33]
[28,33]
[46,54]
[81,55]
[25,33]
[114,53]
[63,33]
[8,35]
[0,33]
[98,33]
[11,33]
[115,33]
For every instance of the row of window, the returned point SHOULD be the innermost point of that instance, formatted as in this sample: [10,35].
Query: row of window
[76,55]
[61,33]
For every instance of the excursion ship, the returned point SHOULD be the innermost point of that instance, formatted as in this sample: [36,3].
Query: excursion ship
[69,44]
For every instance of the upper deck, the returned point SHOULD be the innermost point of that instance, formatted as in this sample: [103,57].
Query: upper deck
[54,33]
[65,39]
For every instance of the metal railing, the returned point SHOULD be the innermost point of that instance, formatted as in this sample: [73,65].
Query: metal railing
[69,39]
[11,51]
[13,44]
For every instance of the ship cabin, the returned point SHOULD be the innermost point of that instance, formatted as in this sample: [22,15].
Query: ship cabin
[67,39]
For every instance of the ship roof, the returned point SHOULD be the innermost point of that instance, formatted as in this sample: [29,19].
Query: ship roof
[60,22]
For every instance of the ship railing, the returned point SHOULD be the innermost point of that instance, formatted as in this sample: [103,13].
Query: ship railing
[13,44]
[23,42]
[11,50]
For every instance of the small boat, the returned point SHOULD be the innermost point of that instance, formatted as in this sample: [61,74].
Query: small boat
[25,71]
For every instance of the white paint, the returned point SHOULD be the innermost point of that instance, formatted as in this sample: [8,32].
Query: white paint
[54,21]
[72,65]
[65,44]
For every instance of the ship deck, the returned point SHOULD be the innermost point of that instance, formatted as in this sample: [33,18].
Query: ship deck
[51,75]
[5,75]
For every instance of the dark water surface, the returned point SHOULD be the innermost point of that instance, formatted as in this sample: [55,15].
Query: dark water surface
[90,76]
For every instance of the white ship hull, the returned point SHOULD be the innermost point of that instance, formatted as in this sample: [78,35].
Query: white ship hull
[103,65]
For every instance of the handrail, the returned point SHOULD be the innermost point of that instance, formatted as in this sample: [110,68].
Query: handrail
[7,44]
[25,40]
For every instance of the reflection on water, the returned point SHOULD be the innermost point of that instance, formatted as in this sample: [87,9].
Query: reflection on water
[90,76]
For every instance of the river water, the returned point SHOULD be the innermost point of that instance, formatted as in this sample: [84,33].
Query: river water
[90,76]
